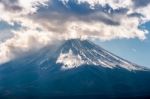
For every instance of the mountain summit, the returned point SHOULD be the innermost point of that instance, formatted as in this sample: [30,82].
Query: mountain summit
[78,68]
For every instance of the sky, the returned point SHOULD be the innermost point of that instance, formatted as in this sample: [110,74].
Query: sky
[135,50]
[121,26]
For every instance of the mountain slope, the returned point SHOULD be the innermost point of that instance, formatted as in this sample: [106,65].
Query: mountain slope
[77,52]
[78,67]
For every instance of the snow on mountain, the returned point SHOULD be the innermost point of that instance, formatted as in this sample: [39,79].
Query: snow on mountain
[76,52]
[70,60]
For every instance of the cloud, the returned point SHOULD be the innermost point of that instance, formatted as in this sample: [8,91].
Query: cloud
[11,10]
[11,5]
[141,3]
[42,21]
[104,19]
[21,43]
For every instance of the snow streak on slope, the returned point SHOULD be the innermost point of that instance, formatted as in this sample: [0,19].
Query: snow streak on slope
[76,52]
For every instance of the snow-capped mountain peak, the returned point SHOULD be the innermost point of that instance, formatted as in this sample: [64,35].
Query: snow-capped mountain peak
[76,52]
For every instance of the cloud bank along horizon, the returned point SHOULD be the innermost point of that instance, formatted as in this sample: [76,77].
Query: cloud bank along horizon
[43,21]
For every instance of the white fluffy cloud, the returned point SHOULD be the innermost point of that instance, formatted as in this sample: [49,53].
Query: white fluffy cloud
[43,21]
[12,9]
[23,41]
[113,3]
[16,11]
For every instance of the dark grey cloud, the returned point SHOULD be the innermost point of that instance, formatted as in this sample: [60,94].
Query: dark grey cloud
[58,12]
[135,14]
[11,5]
[141,3]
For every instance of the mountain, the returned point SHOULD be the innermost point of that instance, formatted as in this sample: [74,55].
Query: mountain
[77,69]
[75,52]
